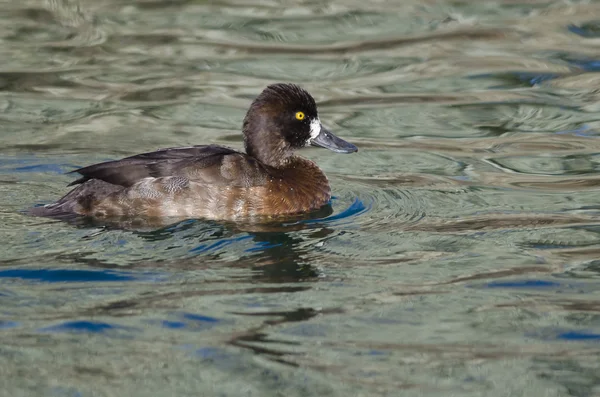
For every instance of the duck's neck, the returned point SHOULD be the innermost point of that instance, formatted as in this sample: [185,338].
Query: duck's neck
[268,148]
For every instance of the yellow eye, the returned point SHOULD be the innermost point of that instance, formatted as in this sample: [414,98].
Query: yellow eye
[299,116]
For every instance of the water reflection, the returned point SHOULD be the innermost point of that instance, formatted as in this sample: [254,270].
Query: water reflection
[275,254]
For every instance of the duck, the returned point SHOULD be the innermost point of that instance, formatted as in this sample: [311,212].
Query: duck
[217,182]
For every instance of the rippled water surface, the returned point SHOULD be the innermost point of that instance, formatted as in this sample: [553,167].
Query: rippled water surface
[461,254]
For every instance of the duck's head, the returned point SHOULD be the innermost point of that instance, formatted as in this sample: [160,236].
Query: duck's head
[284,118]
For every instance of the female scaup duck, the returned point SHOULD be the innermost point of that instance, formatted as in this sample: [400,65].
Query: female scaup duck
[215,182]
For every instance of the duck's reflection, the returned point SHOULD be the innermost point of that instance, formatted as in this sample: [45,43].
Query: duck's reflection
[281,259]
[278,253]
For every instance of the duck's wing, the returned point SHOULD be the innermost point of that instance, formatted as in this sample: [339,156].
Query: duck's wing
[206,163]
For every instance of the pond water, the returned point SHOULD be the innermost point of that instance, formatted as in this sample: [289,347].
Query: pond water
[461,254]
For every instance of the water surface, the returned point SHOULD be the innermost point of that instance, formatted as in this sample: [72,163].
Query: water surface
[459,257]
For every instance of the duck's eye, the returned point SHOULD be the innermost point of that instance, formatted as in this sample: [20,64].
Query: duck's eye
[299,116]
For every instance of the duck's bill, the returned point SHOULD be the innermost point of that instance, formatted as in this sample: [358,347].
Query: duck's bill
[329,141]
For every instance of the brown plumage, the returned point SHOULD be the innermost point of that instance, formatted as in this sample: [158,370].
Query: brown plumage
[216,182]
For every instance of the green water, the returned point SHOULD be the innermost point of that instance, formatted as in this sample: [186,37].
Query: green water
[461,255]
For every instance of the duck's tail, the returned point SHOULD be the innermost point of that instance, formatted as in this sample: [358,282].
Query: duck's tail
[77,201]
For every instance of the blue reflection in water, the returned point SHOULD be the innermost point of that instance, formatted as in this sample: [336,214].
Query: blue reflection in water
[33,165]
[578,336]
[8,324]
[189,321]
[262,245]
[173,324]
[69,276]
[589,65]
[65,392]
[94,327]
[356,208]
[45,168]
[553,334]
[587,30]
[219,244]
[523,284]
[584,131]
[200,318]
[528,78]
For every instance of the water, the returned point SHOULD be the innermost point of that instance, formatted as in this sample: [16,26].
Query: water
[460,256]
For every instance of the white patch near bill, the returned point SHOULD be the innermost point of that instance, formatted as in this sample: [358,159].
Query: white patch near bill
[315,128]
